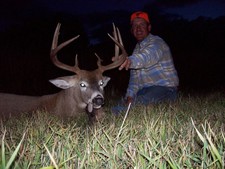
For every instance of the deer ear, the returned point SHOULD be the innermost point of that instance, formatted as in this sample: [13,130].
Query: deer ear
[64,82]
[105,80]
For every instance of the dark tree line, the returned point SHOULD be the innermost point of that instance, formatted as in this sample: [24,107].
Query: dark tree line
[25,67]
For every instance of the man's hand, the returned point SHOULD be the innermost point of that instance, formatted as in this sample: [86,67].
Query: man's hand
[129,100]
[126,64]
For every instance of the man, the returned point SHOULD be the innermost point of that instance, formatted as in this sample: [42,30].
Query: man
[153,77]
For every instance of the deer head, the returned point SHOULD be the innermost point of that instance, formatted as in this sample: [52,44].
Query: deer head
[87,85]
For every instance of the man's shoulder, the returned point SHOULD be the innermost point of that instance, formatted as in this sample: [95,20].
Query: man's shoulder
[154,37]
[150,40]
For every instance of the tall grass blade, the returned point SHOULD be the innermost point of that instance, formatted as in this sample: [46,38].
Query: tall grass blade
[121,127]
[51,157]
[199,134]
[3,150]
[214,149]
[12,158]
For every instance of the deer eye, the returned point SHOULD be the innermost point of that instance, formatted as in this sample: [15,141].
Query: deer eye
[82,85]
[101,83]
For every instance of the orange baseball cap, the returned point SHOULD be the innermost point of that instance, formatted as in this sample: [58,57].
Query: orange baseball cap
[140,14]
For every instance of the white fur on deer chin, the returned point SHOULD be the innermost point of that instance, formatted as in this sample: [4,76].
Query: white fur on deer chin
[90,107]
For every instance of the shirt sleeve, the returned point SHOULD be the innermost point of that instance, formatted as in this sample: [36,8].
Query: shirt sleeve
[146,57]
[133,85]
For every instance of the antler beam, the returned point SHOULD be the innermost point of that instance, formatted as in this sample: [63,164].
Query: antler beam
[117,59]
[56,48]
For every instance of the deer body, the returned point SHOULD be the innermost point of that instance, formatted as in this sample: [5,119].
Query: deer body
[81,92]
[9,104]
[12,104]
[66,103]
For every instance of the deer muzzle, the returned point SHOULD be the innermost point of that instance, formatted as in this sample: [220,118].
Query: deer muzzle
[95,103]
[98,100]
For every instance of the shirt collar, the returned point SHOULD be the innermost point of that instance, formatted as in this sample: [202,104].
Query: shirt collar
[145,40]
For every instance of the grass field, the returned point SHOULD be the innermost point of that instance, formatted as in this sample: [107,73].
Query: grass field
[187,134]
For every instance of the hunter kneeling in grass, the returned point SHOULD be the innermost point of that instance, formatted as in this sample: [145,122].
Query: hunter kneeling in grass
[153,77]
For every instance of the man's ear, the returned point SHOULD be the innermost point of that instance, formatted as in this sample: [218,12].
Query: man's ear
[149,27]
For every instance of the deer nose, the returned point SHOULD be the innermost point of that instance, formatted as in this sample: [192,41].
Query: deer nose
[98,100]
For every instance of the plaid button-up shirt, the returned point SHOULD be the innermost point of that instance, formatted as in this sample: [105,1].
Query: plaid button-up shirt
[151,65]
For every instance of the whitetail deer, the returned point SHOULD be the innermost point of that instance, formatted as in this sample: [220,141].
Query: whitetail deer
[82,91]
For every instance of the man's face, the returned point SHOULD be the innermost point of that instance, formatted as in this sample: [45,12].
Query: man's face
[140,28]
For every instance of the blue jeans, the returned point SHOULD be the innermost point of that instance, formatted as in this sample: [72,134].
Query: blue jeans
[149,95]
[156,94]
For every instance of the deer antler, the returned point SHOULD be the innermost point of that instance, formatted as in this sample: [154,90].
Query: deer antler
[117,59]
[56,48]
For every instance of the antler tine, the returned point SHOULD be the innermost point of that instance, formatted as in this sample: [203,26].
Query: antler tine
[118,59]
[56,48]
[117,36]
[99,60]
[116,46]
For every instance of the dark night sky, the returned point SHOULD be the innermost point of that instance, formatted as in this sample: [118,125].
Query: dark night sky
[188,9]
[13,11]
